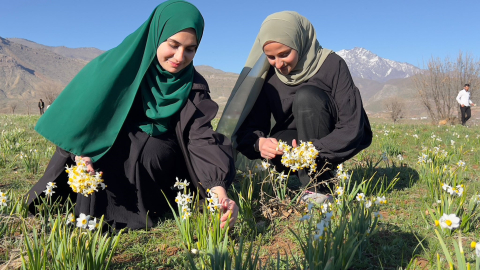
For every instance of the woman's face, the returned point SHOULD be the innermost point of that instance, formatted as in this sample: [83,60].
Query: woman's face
[177,51]
[281,57]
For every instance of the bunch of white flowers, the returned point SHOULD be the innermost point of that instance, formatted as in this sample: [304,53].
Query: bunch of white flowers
[83,221]
[458,190]
[300,157]
[49,191]
[183,200]
[3,199]
[81,181]
[342,174]
[212,200]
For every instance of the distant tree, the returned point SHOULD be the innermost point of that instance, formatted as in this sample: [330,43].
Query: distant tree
[395,107]
[13,106]
[49,91]
[29,107]
[439,85]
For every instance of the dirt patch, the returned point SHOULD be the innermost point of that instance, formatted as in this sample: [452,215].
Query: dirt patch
[172,251]
[126,258]
[422,263]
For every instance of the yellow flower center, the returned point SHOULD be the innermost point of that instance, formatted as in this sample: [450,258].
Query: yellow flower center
[448,222]
[437,223]
[84,221]
[474,244]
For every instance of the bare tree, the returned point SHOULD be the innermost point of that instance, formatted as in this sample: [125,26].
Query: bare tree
[49,91]
[13,106]
[439,85]
[29,107]
[395,107]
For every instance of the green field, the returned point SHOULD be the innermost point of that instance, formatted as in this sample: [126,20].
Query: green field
[406,163]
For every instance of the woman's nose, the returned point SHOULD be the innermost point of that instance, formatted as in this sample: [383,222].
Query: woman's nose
[179,55]
[278,63]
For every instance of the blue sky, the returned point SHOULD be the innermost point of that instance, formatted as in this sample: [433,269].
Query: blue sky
[405,31]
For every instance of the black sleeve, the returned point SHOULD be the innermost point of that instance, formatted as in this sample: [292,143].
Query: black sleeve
[211,153]
[255,126]
[352,131]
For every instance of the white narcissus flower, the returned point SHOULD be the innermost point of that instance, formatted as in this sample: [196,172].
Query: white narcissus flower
[71,218]
[82,221]
[51,185]
[340,167]
[449,221]
[477,248]
[381,200]
[92,224]
[265,165]
[450,190]
[339,191]
[49,191]
[194,251]
[377,214]
[368,204]
[360,197]
[459,190]
[461,163]
[445,186]
[282,176]
[3,201]
[324,208]
[328,218]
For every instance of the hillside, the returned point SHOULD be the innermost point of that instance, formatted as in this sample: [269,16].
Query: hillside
[30,71]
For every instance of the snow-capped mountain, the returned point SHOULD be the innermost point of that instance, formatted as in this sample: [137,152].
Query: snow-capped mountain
[365,64]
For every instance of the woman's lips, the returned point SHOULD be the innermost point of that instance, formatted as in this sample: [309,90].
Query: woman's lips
[175,65]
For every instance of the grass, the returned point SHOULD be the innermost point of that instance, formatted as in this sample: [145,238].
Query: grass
[406,237]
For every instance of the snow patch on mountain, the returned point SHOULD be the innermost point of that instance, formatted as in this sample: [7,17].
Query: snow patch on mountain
[365,64]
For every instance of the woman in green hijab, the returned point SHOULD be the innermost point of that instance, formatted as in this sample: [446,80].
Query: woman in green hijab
[141,114]
[310,94]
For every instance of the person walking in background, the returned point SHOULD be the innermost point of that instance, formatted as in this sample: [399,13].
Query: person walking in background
[463,98]
[41,106]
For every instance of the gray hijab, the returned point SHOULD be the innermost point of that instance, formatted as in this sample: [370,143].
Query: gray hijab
[290,29]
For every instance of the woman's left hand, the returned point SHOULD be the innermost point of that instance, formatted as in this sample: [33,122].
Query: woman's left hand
[229,207]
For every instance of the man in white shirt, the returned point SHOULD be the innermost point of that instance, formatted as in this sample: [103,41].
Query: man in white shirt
[463,98]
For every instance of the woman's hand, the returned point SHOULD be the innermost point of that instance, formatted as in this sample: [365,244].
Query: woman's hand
[88,162]
[268,148]
[229,207]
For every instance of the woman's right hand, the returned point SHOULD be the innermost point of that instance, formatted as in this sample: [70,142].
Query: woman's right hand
[88,162]
[268,148]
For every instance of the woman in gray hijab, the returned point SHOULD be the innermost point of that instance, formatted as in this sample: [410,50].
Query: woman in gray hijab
[309,92]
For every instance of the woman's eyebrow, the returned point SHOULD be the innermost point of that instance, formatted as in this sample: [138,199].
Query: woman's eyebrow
[178,43]
[282,52]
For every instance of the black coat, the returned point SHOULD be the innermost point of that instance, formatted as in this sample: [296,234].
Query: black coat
[132,196]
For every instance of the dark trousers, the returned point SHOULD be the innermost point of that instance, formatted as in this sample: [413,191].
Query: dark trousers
[315,116]
[466,113]
[136,170]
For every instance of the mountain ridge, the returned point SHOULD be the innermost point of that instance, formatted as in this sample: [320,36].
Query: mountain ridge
[29,70]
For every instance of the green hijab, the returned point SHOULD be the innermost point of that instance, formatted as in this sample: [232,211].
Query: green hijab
[87,116]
